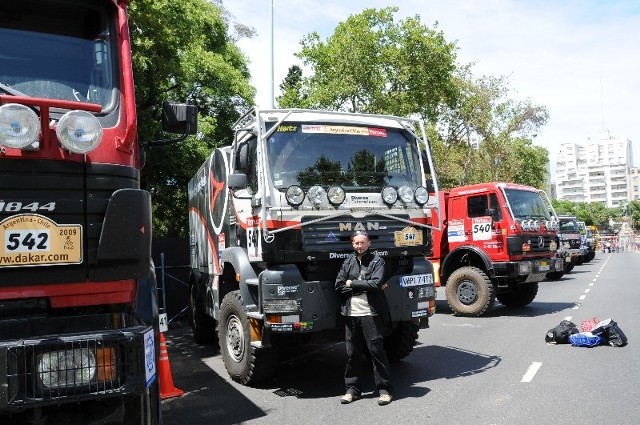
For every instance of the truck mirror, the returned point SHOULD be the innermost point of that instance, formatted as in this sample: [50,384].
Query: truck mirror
[425,160]
[242,156]
[179,118]
[430,187]
[237,181]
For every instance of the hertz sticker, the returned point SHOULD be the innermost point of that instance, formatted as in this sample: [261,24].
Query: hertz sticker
[35,240]
[409,236]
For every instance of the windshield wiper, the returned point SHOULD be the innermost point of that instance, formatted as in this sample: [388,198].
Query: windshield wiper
[8,90]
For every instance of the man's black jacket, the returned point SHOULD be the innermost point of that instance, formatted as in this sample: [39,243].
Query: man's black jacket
[366,276]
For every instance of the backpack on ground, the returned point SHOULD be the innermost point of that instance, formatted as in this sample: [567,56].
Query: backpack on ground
[610,332]
[560,334]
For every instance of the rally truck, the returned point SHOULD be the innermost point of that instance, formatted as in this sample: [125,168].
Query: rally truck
[270,220]
[587,242]
[571,240]
[78,312]
[498,240]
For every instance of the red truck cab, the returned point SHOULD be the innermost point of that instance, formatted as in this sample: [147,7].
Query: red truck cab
[78,312]
[497,240]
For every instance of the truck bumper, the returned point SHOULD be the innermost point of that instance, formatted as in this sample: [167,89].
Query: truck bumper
[72,368]
[527,271]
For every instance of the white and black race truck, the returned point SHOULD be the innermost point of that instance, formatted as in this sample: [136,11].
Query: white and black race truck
[270,220]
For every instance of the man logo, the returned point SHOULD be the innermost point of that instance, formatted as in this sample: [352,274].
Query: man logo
[352,227]
[540,242]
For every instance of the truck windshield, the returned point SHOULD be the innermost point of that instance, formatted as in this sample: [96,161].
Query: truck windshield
[569,225]
[354,157]
[527,205]
[56,50]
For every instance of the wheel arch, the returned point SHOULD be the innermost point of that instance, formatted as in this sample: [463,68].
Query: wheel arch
[468,255]
[237,272]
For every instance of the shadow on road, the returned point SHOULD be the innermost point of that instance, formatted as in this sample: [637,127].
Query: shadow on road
[208,398]
[535,309]
[304,372]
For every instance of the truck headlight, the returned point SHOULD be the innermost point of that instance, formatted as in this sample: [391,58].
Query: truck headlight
[75,367]
[317,195]
[524,267]
[19,126]
[389,195]
[406,194]
[66,368]
[422,195]
[79,131]
[294,195]
[336,195]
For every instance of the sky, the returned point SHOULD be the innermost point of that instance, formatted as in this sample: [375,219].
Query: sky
[578,58]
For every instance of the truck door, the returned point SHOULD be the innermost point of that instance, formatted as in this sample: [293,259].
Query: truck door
[483,222]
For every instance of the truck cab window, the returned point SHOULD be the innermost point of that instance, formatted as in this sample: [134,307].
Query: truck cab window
[477,206]
[67,52]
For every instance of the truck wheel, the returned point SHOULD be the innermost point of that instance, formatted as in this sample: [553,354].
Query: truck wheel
[568,267]
[555,275]
[469,292]
[244,363]
[203,326]
[590,256]
[520,296]
[400,343]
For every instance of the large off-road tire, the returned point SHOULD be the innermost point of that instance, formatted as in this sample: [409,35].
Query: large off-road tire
[519,296]
[399,344]
[568,267]
[590,256]
[469,292]
[203,326]
[245,363]
[555,275]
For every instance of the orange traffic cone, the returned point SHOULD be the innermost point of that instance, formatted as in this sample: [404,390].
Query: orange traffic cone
[167,390]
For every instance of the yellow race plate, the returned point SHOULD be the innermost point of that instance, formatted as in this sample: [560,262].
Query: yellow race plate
[409,236]
[35,240]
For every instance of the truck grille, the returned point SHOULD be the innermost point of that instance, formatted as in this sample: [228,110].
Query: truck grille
[335,235]
[515,244]
[80,192]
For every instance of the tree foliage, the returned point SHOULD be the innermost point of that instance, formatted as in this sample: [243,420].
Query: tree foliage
[491,135]
[182,51]
[375,64]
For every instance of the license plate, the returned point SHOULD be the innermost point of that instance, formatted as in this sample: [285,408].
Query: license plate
[416,280]
[35,240]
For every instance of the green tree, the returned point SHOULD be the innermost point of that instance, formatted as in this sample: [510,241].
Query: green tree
[373,64]
[291,89]
[183,51]
[492,133]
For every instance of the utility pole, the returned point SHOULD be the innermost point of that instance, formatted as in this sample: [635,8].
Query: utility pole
[271,93]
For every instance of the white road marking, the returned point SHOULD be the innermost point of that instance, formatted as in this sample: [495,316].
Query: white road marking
[531,372]
[568,318]
[586,291]
[582,297]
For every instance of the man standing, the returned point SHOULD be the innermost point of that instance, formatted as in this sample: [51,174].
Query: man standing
[364,307]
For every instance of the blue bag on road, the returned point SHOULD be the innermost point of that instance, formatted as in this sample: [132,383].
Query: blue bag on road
[584,339]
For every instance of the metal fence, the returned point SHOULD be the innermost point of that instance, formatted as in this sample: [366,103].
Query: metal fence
[171,258]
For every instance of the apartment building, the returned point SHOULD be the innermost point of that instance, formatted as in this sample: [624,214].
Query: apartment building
[599,169]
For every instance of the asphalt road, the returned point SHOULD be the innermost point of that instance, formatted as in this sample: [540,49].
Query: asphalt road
[495,369]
